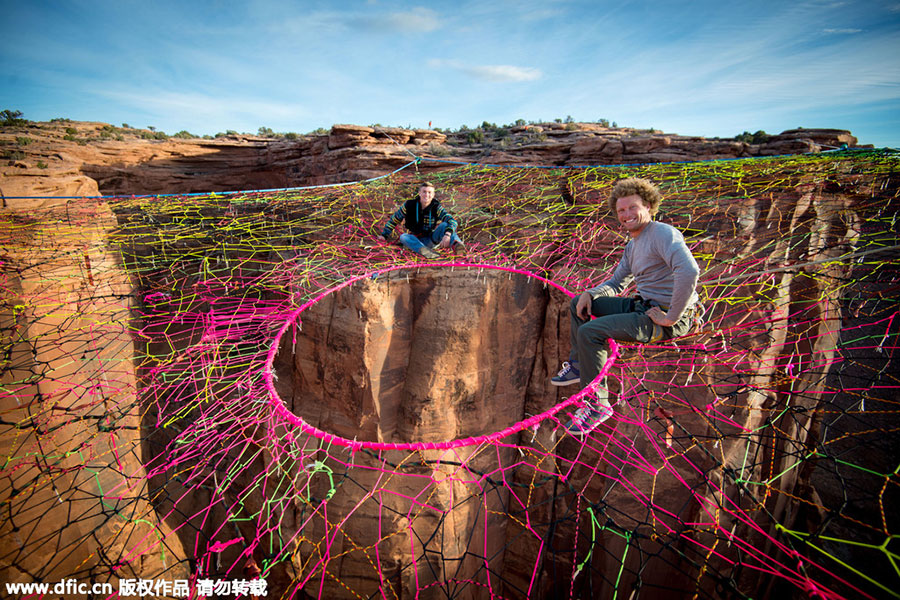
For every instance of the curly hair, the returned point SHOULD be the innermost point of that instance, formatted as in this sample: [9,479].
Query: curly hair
[648,192]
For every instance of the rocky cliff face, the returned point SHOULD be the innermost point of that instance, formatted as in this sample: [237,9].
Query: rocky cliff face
[75,489]
[91,161]
[419,355]
[367,355]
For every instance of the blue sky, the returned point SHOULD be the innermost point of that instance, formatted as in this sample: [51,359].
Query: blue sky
[711,68]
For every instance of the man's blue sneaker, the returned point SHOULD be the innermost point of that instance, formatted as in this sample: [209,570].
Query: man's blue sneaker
[588,417]
[567,375]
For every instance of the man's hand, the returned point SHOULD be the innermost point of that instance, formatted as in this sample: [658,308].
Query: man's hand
[445,241]
[583,308]
[659,317]
[382,238]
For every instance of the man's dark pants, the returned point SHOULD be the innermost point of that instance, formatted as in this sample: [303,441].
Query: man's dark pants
[621,319]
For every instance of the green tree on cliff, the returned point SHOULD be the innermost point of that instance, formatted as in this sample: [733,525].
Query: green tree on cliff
[12,117]
[760,137]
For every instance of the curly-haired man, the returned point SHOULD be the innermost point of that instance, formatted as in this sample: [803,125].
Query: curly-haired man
[665,275]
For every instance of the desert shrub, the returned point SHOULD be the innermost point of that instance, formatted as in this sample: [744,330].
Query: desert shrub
[290,135]
[154,135]
[69,137]
[13,155]
[184,135]
[71,131]
[571,126]
[438,150]
[266,132]
[476,136]
[41,164]
[23,141]
[532,138]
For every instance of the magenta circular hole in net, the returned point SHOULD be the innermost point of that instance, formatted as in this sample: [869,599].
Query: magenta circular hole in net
[281,409]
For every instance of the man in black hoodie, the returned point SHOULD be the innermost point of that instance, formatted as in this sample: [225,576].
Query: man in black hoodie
[427,224]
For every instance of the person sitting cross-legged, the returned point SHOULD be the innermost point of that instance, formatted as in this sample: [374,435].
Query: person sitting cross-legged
[427,223]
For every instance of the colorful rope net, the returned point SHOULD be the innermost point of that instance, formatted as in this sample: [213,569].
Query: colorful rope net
[198,385]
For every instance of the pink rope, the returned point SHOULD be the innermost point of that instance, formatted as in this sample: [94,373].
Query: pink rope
[279,407]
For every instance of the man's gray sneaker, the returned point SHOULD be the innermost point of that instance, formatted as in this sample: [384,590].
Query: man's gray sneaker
[567,375]
[587,418]
[429,253]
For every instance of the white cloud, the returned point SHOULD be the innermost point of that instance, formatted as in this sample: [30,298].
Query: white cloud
[328,23]
[494,73]
[846,30]
[417,20]
[503,73]
[540,14]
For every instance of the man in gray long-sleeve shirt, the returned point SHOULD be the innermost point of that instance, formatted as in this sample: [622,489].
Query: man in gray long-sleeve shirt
[665,274]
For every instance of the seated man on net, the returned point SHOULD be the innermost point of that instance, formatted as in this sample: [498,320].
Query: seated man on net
[665,274]
[427,224]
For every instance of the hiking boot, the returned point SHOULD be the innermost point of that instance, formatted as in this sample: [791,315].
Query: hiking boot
[429,253]
[567,375]
[460,248]
[588,417]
